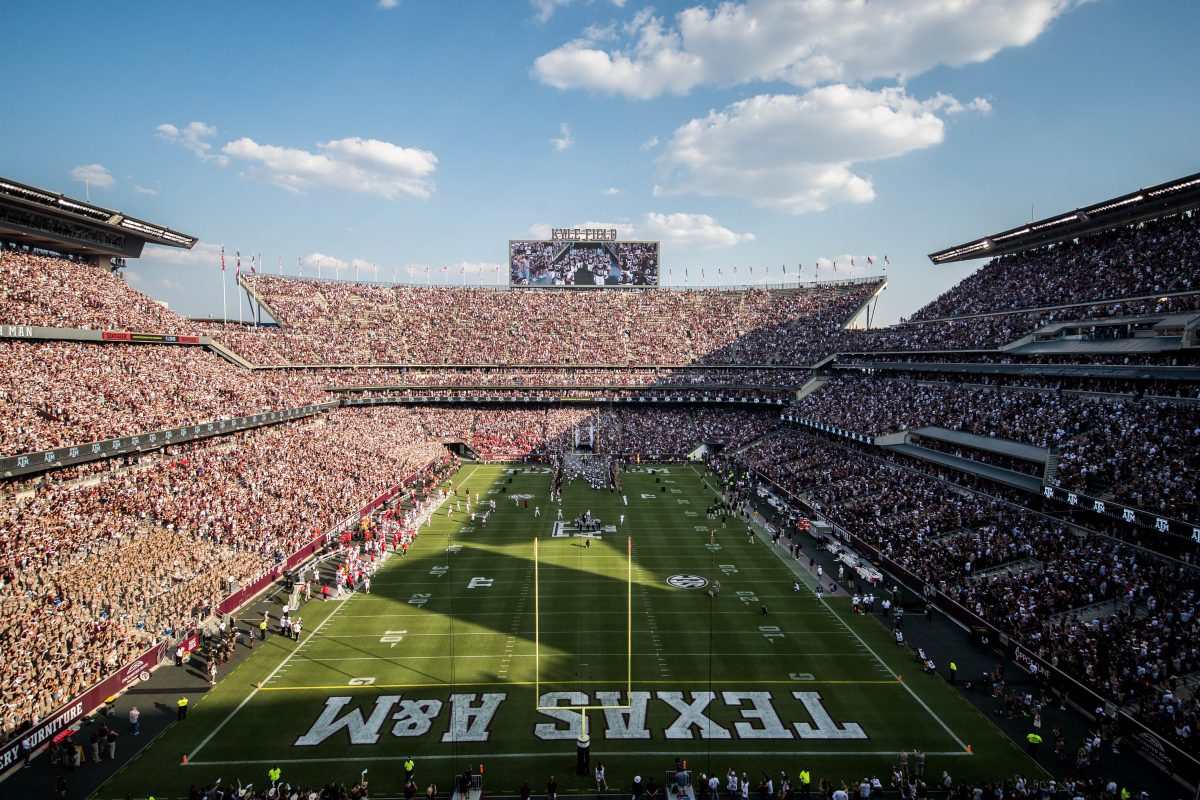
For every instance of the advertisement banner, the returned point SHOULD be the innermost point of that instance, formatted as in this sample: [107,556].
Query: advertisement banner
[49,729]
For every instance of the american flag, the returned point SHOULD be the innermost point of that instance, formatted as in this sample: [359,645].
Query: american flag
[222,258]
[252,270]
[239,262]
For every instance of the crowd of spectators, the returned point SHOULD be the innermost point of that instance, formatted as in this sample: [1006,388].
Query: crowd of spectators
[1119,619]
[1140,452]
[92,572]
[69,393]
[1150,258]
[60,293]
[654,433]
[346,323]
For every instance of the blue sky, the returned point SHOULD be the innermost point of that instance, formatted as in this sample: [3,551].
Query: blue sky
[754,133]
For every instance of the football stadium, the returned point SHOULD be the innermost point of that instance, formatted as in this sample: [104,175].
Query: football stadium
[597,518]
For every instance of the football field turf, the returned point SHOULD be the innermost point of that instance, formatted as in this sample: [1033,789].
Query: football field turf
[444,662]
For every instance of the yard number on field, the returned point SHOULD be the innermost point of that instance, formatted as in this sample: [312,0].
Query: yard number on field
[770,632]
[419,599]
[391,638]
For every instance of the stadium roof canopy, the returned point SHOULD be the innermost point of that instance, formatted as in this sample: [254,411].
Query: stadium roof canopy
[51,221]
[1172,197]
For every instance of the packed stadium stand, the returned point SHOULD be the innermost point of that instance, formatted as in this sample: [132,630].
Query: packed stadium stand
[1034,474]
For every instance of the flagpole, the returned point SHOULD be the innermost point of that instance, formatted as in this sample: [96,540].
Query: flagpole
[238,278]
[224,304]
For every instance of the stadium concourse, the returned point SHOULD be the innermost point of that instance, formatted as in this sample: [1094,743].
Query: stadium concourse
[1020,455]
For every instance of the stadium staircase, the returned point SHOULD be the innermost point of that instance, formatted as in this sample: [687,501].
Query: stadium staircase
[227,354]
[1026,565]
[1051,467]
[811,385]
[1089,613]
[738,450]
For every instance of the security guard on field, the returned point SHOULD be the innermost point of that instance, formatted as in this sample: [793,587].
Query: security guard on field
[182,704]
[1034,739]
[805,783]
[273,773]
[953,672]
[409,766]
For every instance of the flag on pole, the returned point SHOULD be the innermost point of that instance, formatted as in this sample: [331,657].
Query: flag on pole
[300,266]
[253,271]
[885,261]
[852,262]
[870,261]
[222,258]
[239,262]
[835,266]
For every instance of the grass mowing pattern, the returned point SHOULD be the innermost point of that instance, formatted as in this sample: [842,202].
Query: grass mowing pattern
[438,663]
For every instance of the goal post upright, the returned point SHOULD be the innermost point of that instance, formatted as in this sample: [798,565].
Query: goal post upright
[629,618]
[537,628]
[537,640]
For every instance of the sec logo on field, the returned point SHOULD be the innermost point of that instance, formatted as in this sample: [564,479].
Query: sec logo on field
[687,581]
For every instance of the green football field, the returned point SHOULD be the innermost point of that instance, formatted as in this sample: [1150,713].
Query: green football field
[463,649]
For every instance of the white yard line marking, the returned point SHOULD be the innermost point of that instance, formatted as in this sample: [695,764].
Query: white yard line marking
[541,755]
[255,691]
[883,664]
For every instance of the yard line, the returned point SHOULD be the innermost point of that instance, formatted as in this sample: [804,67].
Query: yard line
[613,682]
[886,667]
[669,751]
[399,659]
[258,688]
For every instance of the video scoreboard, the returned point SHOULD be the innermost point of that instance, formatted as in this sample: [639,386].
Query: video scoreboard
[582,258]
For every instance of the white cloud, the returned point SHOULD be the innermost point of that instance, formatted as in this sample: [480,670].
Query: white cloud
[564,141]
[203,254]
[650,144]
[385,4]
[544,9]
[653,64]
[797,153]
[368,166]
[145,190]
[96,175]
[324,260]
[691,231]
[193,137]
[610,191]
[696,231]
[802,43]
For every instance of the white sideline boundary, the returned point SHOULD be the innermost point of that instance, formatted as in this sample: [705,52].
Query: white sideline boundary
[291,655]
[667,753]
[267,679]
[887,667]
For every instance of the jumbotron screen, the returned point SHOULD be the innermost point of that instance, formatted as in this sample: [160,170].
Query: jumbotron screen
[583,264]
